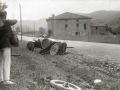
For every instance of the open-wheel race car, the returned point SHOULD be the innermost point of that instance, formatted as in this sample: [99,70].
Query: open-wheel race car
[47,45]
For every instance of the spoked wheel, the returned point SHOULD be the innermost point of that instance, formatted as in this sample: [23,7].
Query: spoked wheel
[62,85]
[54,49]
[30,46]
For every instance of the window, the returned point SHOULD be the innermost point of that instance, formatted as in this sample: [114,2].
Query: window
[84,26]
[66,25]
[77,25]
[77,20]
[77,33]
[96,27]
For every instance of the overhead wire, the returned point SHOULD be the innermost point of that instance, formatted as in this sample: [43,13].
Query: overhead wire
[80,6]
[86,5]
[89,6]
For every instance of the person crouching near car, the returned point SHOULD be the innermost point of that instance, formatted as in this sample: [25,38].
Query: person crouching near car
[5,48]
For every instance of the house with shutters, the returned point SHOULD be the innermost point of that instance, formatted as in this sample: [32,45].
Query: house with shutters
[69,24]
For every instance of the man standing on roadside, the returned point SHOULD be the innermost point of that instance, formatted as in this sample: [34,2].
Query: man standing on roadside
[5,48]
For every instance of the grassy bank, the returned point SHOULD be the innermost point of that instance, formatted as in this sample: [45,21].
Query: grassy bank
[32,71]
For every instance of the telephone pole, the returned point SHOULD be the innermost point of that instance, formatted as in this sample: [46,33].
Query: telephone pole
[28,31]
[13,18]
[34,29]
[20,21]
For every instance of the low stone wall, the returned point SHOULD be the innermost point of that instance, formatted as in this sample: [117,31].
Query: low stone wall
[91,38]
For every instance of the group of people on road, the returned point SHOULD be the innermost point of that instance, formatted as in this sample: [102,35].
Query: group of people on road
[5,47]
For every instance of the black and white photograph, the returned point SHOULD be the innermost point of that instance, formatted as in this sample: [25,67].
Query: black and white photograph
[59,44]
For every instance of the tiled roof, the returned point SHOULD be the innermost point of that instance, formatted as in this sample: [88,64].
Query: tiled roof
[68,15]
[100,24]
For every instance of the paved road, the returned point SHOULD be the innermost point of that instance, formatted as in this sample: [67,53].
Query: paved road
[101,51]
[75,43]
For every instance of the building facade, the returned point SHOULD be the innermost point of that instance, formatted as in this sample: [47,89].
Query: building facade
[69,24]
[98,29]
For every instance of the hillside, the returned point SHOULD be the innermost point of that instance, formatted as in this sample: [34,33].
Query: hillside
[30,23]
[111,18]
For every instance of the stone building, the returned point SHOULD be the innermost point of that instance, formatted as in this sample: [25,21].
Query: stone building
[69,24]
[98,29]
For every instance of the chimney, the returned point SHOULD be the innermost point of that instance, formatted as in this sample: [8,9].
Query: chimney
[53,16]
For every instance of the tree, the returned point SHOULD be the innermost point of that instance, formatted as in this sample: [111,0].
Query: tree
[50,33]
[41,31]
[109,29]
[117,30]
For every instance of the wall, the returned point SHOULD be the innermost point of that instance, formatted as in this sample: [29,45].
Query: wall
[58,26]
[91,38]
[99,30]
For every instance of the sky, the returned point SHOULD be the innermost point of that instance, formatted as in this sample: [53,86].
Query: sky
[39,9]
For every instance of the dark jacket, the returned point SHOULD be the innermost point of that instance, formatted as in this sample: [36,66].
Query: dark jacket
[5,33]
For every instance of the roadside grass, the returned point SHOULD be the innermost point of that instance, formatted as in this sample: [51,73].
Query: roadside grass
[33,71]
[88,69]
[29,71]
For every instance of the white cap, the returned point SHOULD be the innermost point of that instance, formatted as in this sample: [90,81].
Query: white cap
[97,81]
